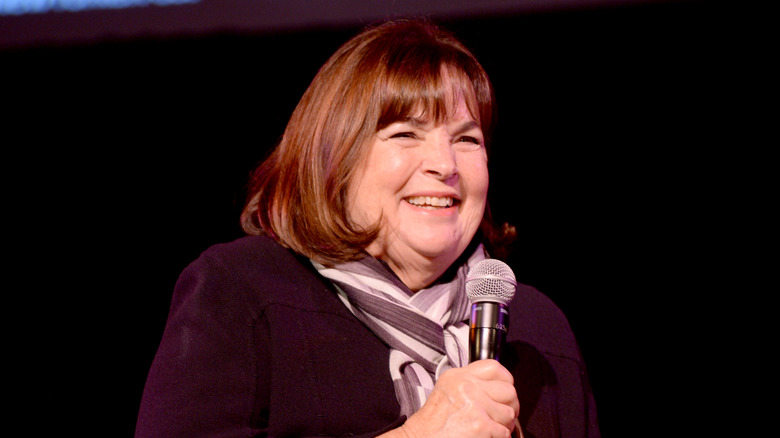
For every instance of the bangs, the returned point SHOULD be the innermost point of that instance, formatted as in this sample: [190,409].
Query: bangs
[430,93]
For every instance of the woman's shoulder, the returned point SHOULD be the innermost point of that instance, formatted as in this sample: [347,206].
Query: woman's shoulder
[259,255]
[247,247]
[266,271]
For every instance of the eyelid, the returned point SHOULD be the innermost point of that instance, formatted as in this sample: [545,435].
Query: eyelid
[398,130]
[470,138]
[473,138]
[471,133]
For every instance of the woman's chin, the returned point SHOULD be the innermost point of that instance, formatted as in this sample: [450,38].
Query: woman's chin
[437,248]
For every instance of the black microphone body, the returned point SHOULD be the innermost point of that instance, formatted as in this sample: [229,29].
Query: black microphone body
[487,334]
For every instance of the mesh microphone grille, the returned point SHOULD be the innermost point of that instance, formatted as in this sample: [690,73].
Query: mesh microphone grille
[491,280]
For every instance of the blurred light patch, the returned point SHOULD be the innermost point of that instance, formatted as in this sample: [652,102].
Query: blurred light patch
[24,7]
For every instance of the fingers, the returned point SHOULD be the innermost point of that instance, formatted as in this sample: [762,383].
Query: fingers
[489,369]
[496,380]
[505,398]
[478,400]
[490,386]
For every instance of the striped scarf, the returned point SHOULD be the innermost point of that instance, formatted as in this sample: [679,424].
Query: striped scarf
[427,331]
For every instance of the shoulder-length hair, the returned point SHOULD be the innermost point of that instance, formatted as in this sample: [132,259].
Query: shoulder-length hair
[298,195]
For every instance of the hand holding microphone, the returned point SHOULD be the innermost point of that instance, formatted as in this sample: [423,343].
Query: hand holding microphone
[475,401]
[478,400]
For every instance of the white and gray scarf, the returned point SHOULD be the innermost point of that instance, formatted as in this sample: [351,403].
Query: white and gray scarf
[427,331]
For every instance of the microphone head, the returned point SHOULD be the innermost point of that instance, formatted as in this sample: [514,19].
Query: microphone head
[491,280]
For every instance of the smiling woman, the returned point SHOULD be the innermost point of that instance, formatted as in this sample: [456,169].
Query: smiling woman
[344,312]
[424,187]
[376,87]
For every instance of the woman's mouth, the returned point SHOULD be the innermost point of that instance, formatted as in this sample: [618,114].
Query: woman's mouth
[431,202]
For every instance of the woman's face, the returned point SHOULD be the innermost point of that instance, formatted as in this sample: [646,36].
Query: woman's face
[428,185]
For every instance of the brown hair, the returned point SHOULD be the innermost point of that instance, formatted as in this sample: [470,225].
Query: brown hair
[298,194]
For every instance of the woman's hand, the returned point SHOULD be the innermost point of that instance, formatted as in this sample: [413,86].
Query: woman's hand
[478,400]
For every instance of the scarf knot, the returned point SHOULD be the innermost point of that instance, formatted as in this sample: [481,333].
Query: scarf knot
[427,330]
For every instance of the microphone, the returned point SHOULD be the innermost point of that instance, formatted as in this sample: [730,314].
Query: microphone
[490,286]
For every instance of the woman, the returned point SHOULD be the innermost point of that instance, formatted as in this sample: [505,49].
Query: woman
[344,312]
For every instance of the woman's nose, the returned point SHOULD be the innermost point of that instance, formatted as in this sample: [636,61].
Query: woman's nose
[439,159]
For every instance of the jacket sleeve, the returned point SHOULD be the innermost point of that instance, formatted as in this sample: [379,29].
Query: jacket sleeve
[203,380]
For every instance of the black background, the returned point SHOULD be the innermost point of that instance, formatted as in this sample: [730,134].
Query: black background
[134,154]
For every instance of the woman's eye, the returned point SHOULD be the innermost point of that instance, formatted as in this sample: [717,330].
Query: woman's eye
[404,135]
[467,143]
[467,139]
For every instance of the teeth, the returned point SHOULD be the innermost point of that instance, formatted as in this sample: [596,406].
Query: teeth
[430,201]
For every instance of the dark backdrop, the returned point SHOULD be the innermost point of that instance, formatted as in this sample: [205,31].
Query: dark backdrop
[136,153]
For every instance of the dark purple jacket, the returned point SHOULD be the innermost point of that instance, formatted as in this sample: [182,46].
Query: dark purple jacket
[258,344]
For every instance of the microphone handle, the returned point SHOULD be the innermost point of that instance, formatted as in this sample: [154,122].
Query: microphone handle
[488,328]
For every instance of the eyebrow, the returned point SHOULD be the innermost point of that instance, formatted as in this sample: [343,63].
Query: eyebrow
[414,121]
[420,123]
[466,126]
